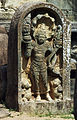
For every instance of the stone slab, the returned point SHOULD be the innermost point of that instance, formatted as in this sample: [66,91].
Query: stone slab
[45,107]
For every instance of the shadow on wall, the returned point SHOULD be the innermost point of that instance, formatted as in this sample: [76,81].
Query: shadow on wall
[3,62]
[3,82]
[75,96]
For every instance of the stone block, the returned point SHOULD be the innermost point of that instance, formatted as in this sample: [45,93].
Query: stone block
[45,107]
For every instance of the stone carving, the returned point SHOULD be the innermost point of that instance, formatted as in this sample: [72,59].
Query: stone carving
[22,38]
[42,40]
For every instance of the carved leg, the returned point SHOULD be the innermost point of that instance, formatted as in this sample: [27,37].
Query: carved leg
[36,80]
[38,98]
[49,98]
[45,82]
[35,76]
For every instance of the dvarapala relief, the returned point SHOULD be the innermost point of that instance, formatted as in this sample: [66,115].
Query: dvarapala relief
[41,58]
[38,75]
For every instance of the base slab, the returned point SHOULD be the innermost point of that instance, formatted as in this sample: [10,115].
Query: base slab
[45,107]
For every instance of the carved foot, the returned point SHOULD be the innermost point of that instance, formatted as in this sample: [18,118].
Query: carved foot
[38,98]
[48,98]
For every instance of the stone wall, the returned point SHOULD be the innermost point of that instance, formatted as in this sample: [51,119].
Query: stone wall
[3,46]
[7,13]
[16,3]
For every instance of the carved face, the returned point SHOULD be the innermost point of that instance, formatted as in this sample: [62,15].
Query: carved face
[41,38]
[40,33]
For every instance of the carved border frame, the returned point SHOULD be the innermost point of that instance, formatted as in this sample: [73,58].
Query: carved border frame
[14,52]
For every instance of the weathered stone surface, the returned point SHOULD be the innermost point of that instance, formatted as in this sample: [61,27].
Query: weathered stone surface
[16,3]
[3,46]
[61,3]
[2,30]
[67,6]
[14,53]
[5,18]
[26,90]
[45,107]
[57,89]
[6,13]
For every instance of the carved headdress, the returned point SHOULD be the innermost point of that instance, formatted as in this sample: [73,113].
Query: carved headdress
[44,23]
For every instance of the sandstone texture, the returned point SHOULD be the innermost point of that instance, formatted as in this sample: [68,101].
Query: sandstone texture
[6,114]
[69,7]
[12,5]
[16,3]
[14,67]
[3,46]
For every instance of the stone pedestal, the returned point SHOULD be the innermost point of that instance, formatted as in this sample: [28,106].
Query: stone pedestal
[46,108]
